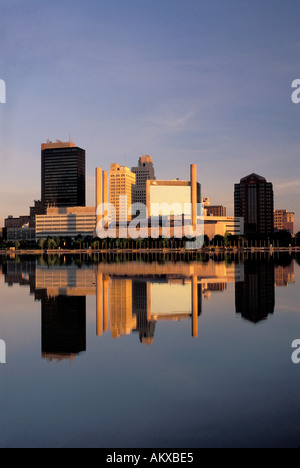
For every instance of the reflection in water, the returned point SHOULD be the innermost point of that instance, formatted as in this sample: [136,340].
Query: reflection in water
[140,306]
[63,327]
[134,297]
[255,297]
[284,275]
[122,319]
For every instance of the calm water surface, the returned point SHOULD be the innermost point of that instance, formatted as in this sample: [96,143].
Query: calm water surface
[137,354]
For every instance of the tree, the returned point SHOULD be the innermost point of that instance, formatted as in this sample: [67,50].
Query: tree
[218,240]
[228,239]
[51,244]
[17,244]
[284,238]
[206,241]
[42,243]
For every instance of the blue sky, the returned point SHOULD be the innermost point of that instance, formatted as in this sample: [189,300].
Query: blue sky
[187,81]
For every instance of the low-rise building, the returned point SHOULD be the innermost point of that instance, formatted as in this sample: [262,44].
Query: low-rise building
[215,210]
[284,221]
[23,228]
[25,233]
[222,225]
[66,222]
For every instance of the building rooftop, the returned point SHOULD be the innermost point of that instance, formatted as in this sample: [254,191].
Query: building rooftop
[71,210]
[117,168]
[145,159]
[57,144]
[254,177]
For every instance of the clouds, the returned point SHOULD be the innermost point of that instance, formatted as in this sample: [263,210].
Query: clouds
[291,186]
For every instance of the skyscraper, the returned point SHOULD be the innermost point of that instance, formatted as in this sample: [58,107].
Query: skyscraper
[122,182]
[63,175]
[144,171]
[254,201]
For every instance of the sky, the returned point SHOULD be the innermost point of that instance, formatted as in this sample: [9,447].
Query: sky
[186,81]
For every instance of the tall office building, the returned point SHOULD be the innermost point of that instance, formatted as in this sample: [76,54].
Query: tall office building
[63,175]
[254,201]
[144,171]
[122,182]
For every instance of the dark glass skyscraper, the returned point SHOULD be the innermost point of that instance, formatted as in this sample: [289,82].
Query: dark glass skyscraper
[254,201]
[63,175]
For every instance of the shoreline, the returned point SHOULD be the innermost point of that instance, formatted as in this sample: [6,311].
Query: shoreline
[213,250]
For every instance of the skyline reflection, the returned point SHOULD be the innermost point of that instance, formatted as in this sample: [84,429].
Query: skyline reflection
[135,297]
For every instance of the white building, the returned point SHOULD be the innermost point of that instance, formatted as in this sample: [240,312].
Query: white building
[66,222]
[177,194]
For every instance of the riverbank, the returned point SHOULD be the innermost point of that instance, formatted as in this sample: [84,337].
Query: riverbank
[162,251]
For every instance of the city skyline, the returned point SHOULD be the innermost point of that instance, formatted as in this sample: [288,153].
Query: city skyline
[59,180]
[192,84]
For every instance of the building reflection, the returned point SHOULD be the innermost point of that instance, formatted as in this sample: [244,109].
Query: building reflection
[136,305]
[135,297]
[63,291]
[63,306]
[284,275]
[122,318]
[140,306]
[63,327]
[255,296]
[210,288]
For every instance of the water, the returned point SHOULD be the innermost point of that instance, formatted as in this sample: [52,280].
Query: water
[136,354]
